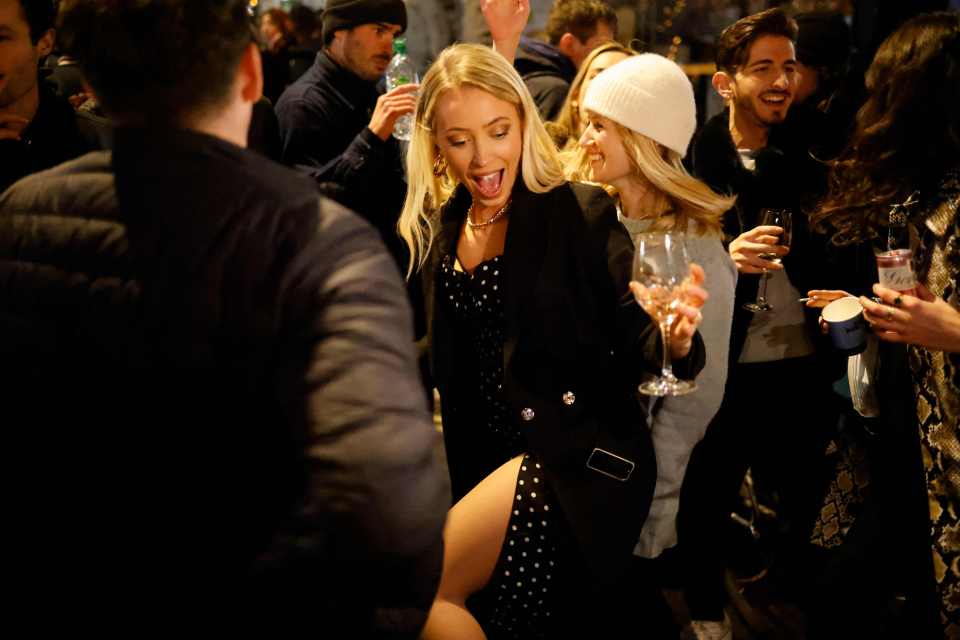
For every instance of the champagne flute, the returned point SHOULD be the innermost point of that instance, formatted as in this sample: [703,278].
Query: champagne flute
[776,218]
[660,264]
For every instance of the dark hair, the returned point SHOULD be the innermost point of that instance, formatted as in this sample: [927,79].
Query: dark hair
[40,16]
[305,21]
[733,46]
[579,17]
[907,133]
[156,60]
[281,20]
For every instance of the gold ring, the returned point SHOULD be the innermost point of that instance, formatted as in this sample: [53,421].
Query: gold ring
[889,316]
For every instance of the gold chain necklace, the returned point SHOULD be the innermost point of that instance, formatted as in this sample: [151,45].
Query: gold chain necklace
[496,216]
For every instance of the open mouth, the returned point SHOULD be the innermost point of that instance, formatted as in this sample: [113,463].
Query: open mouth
[489,184]
[775,99]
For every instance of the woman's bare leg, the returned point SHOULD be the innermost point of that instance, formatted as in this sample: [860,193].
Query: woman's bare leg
[474,534]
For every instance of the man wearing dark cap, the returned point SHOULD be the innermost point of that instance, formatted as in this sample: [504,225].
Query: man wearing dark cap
[334,123]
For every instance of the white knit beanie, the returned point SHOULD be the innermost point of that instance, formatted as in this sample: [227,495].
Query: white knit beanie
[647,94]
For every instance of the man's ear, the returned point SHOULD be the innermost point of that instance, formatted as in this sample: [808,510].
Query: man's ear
[250,74]
[569,45]
[45,44]
[723,83]
[335,46]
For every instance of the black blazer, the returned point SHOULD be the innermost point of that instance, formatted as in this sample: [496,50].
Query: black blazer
[571,326]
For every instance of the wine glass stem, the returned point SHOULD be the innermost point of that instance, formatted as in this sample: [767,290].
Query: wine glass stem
[667,369]
[763,287]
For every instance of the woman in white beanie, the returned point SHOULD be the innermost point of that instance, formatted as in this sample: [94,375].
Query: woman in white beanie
[641,117]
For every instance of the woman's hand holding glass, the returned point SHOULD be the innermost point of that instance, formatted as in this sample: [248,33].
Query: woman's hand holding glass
[668,289]
[688,314]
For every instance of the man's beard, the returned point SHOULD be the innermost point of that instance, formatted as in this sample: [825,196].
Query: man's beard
[746,106]
[363,66]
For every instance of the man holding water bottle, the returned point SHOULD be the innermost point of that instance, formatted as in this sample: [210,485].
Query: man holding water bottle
[336,124]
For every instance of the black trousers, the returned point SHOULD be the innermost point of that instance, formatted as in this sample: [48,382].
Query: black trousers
[776,419]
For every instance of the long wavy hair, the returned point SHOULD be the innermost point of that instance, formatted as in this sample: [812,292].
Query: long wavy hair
[689,199]
[566,128]
[481,67]
[907,133]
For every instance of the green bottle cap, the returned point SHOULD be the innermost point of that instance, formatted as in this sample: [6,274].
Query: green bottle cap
[400,45]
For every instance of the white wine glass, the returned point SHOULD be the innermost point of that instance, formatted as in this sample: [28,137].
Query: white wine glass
[661,266]
[775,218]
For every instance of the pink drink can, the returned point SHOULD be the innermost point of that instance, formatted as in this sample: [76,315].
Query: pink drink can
[896,272]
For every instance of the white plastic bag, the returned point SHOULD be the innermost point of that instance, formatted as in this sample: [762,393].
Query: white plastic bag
[862,376]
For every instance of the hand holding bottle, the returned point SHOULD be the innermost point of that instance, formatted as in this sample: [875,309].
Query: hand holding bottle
[391,106]
[402,73]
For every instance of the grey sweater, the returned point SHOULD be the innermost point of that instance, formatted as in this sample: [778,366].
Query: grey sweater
[680,422]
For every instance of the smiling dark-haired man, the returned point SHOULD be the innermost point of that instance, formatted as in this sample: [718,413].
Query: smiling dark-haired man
[776,428]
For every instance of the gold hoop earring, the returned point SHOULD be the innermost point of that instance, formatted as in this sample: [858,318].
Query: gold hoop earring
[439,165]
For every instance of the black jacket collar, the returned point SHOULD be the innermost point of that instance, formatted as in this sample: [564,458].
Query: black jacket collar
[55,118]
[51,137]
[715,156]
[774,181]
[179,189]
[355,89]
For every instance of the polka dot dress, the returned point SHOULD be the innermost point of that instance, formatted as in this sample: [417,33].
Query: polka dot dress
[476,301]
[520,600]
[523,591]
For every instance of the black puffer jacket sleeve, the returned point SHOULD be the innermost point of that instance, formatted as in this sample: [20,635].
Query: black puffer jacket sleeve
[377,494]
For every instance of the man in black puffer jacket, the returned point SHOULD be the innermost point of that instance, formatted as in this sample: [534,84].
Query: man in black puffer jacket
[208,387]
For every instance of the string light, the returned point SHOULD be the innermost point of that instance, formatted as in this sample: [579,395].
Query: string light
[670,14]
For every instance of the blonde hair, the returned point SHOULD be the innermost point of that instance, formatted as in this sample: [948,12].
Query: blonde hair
[690,199]
[566,129]
[481,67]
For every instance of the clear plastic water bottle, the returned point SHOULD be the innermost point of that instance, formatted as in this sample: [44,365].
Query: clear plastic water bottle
[401,71]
